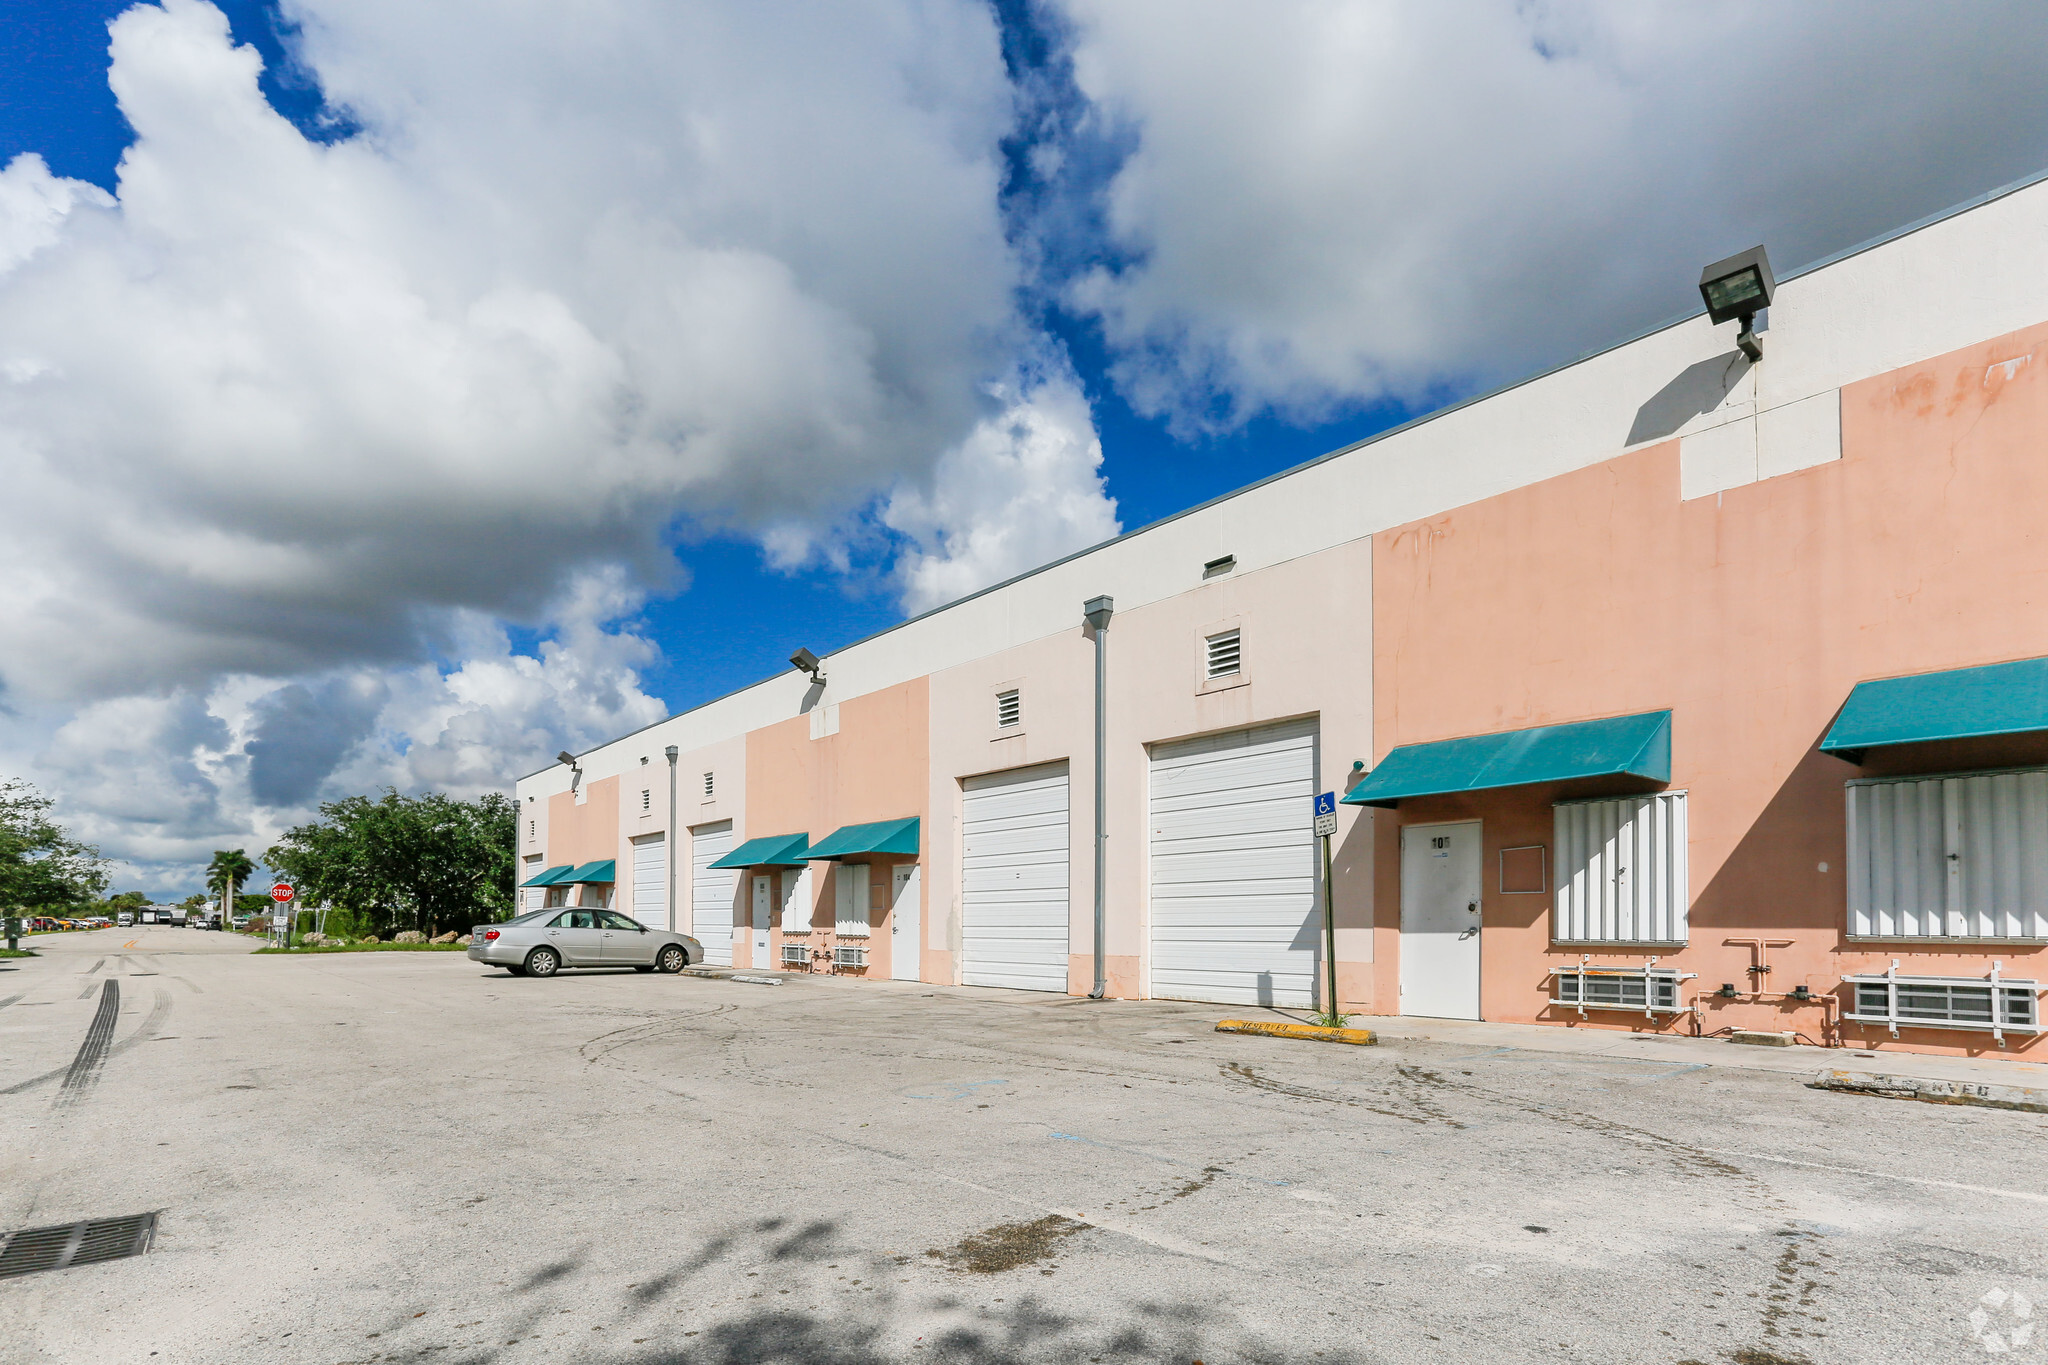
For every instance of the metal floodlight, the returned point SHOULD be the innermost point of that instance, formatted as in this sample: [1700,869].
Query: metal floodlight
[566,757]
[1740,287]
[809,663]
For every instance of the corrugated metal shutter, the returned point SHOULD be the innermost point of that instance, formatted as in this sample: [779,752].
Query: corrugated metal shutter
[1622,873]
[1949,857]
[1234,872]
[711,891]
[851,899]
[1015,884]
[530,896]
[650,880]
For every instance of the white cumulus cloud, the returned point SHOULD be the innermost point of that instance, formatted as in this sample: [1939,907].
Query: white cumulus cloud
[1330,203]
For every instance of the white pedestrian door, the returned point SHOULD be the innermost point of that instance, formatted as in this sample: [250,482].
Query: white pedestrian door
[1440,901]
[906,921]
[764,901]
[711,891]
[1014,899]
[650,881]
[1235,877]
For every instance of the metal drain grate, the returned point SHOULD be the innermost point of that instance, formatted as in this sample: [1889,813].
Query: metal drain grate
[96,1239]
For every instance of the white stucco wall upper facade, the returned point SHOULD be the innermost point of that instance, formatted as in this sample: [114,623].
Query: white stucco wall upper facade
[1958,280]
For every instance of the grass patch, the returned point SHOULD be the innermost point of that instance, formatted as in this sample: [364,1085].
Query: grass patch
[369,948]
[17,952]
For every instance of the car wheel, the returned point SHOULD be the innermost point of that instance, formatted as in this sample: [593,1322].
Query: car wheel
[673,959]
[542,962]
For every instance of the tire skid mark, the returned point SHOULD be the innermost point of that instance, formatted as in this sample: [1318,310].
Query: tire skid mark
[94,967]
[1421,1109]
[92,1053]
[157,1014]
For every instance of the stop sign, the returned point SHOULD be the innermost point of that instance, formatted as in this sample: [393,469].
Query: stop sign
[281,893]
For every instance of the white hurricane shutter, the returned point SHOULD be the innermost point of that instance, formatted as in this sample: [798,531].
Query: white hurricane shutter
[711,891]
[530,896]
[1015,897]
[796,901]
[1949,857]
[1622,874]
[850,894]
[1234,869]
[650,881]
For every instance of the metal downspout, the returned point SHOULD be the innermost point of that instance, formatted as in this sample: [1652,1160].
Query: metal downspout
[669,854]
[1097,613]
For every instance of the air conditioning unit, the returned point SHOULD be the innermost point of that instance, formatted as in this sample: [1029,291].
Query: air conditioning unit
[796,954]
[849,957]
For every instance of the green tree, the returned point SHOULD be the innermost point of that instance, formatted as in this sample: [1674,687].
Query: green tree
[42,867]
[196,901]
[226,873]
[429,862]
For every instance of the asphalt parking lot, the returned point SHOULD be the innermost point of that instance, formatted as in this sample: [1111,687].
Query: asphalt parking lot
[402,1157]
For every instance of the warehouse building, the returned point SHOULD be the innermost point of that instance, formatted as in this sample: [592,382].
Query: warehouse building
[1679,689]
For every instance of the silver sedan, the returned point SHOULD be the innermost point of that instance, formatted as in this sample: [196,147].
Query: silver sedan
[545,941]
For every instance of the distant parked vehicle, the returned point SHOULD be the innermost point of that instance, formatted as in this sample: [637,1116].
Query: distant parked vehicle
[546,941]
[126,919]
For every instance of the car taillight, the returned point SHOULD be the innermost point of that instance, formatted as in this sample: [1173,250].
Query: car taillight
[490,934]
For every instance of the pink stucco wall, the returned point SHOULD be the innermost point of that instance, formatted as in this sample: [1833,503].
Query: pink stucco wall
[1750,614]
[872,769]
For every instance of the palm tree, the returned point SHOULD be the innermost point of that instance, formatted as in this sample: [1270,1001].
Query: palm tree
[225,875]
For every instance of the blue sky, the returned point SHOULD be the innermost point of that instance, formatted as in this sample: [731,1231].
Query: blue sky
[551,370]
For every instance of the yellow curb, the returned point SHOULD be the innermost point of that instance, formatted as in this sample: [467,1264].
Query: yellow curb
[1360,1037]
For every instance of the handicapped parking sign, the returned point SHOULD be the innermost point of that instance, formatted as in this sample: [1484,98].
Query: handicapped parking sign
[1326,814]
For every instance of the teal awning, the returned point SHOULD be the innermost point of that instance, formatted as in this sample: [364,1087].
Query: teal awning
[551,876]
[884,836]
[1636,746]
[604,870]
[1995,699]
[777,850]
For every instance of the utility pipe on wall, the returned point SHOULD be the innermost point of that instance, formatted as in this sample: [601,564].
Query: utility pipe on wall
[669,853]
[1096,613]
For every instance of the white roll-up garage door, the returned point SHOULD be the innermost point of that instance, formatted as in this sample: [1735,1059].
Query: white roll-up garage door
[1015,902]
[650,880]
[711,891]
[1234,872]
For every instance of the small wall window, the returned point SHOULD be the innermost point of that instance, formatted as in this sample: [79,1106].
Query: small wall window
[1224,654]
[646,800]
[710,786]
[1991,1004]
[1009,709]
[1216,568]
[530,830]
